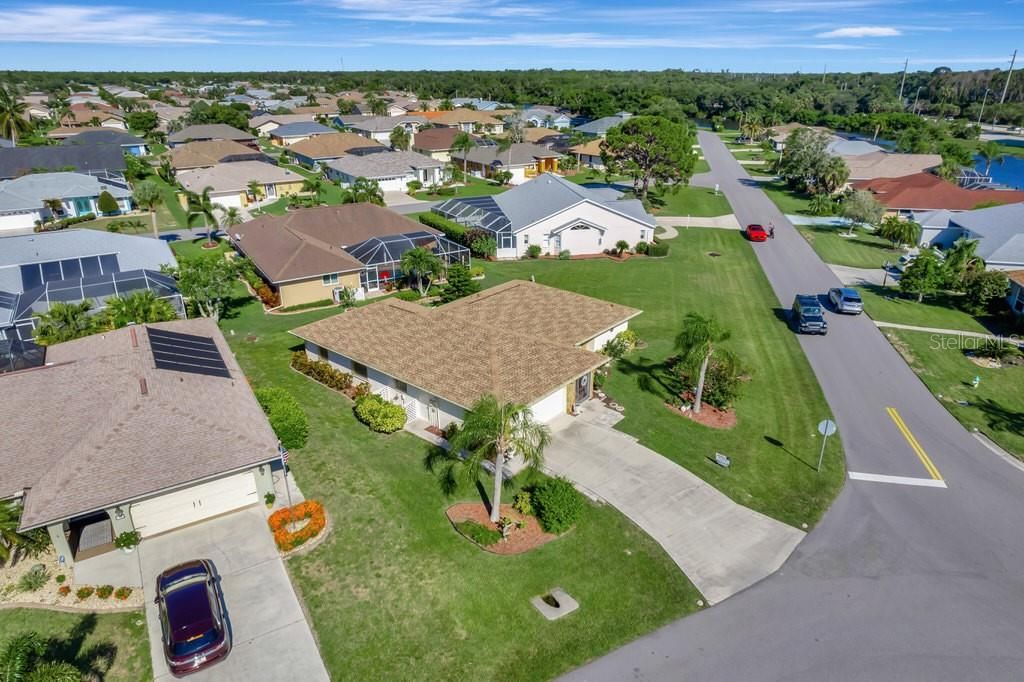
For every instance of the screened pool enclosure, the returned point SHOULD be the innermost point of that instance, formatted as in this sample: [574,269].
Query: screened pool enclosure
[382,256]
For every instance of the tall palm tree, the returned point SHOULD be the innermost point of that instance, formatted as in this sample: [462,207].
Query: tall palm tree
[12,115]
[422,266]
[149,195]
[834,175]
[201,204]
[494,432]
[990,153]
[139,307]
[463,143]
[505,145]
[255,189]
[698,341]
[961,258]
[64,322]
[231,217]
[166,170]
[364,190]
[314,185]
[400,139]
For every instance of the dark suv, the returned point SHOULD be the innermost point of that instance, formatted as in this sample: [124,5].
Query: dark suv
[808,316]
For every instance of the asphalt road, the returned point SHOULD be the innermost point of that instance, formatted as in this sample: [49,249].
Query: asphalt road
[898,582]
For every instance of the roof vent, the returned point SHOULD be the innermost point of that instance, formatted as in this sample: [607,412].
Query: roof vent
[134,336]
[143,387]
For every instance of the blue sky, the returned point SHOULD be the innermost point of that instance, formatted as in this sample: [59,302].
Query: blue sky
[741,35]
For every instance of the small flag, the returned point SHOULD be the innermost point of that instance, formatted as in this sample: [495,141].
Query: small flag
[283,453]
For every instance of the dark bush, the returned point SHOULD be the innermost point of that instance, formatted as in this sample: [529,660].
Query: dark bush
[285,415]
[321,371]
[478,533]
[558,505]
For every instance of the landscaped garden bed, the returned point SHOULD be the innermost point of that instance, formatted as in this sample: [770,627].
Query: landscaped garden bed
[296,526]
[520,539]
[32,581]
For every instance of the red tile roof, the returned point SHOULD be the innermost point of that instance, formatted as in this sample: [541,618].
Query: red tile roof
[926,191]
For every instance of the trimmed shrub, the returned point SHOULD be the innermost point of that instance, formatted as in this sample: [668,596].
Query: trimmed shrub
[61,578]
[64,590]
[478,533]
[104,591]
[122,593]
[640,248]
[414,186]
[558,505]
[107,203]
[533,251]
[34,579]
[564,255]
[523,502]
[408,295]
[65,222]
[449,228]
[270,298]
[657,249]
[380,415]
[476,271]
[84,592]
[321,371]
[485,247]
[285,415]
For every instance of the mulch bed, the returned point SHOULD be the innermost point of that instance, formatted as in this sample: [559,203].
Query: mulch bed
[709,415]
[520,540]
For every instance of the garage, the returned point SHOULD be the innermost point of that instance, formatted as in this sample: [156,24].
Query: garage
[195,503]
[549,407]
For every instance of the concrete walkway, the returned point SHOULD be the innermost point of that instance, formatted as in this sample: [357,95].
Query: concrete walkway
[855,277]
[725,222]
[950,332]
[721,546]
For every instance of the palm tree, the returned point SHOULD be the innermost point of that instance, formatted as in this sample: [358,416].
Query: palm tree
[21,660]
[378,107]
[990,153]
[899,231]
[445,105]
[314,185]
[834,175]
[12,115]
[54,206]
[494,432]
[961,258]
[166,170]
[364,190]
[202,204]
[149,195]
[698,341]
[505,145]
[422,266]
[231,217]
[256,191]
[10,538]
[139,307]
[65,322]
[400,139]
[463,143]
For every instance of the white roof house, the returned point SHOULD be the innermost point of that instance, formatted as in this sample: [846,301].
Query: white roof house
[22,199]
[391,170]
[999,231]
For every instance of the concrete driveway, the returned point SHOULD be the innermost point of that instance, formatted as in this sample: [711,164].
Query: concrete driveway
[722,546]
[270,635]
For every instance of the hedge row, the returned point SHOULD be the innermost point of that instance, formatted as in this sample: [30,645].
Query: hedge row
[380,415]
[285,416]
[450,228]
[66,222]
[321,371]
[657,248]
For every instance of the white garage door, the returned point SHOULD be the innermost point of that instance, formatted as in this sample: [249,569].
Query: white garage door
[194,504]
[546,409]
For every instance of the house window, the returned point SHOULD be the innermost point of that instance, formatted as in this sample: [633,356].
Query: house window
[330,280]
[359,369]
[526,240]
[643,235]
[322,352]
[401,386]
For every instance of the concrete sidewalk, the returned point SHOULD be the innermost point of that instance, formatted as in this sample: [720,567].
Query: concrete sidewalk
[721,546]
[725,222]
[949,332]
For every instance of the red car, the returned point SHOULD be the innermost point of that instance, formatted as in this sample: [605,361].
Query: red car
[756,233]
[195,634]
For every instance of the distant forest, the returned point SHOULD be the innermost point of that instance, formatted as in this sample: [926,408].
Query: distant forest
[776,98]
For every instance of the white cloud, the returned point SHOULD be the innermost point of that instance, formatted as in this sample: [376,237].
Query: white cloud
[861,32]
[110,24]
[432,11]
[584,40]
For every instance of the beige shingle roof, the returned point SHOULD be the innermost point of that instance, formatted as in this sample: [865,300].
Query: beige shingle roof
[889,165]
[518,340]
[333,145]
[235,176]
[205,153]
[101,442]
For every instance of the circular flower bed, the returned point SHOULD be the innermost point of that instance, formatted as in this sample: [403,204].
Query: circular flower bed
[295,526]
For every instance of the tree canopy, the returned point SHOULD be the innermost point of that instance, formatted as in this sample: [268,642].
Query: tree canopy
[650,149]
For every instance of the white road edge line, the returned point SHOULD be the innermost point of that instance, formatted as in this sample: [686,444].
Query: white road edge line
[900,480]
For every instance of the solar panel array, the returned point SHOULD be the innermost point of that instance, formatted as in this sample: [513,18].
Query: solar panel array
[96,290]
[186,353]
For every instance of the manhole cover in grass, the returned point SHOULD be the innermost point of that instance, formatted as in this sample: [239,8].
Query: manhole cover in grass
[714,254]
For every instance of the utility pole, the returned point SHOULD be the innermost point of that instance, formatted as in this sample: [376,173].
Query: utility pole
[915,98]
[904,80]
[1006,87]
[983,100]
[824,72]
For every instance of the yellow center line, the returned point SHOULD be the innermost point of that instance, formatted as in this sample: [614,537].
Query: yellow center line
[914,445]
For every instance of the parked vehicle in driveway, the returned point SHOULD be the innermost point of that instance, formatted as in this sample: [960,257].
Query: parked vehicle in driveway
[194,631]
[846,300]
[807,315]
[756,233]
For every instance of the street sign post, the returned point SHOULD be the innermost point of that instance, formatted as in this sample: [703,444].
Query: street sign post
[826,428]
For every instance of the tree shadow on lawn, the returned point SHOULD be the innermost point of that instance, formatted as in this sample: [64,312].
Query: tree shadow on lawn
[93,662]
[1001,418]
[650,373]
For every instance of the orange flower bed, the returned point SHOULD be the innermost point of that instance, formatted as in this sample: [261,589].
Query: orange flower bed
[288,540]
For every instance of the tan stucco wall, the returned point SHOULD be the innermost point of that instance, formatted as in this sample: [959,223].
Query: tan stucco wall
[310,290]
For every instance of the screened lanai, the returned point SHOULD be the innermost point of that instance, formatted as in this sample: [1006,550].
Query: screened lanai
[480,212]
[382,255]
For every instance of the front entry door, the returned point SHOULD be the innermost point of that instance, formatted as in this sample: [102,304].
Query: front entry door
[583,389]
[432,416]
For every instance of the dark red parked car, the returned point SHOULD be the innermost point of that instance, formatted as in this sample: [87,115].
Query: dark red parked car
[195,634]
[756,233]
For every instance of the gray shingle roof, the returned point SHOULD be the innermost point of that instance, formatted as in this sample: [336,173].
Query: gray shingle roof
[383,164]
[300,128]
[1001,229]
[210,131]
[92,158]
[29,191]
[521,154]
[104,136]
[601,125]
[378,124]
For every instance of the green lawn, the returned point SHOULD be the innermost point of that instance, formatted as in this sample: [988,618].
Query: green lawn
[194,247]
[84,638]
[787,200]
[774,446]
[701,165]
[101,223]
[690,200]
[755,153]
[395,593]
[996,407]
[864,250]
[939,311]
[170,215]
[475,187]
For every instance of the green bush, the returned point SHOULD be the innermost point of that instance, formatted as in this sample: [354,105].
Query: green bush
[449,228]
[414,186]
[127,539]
[107,203]
[564,254]
[533,251]
[323,303]
[60,579]
[657,249]
[476,271]
[408,295]
[380,415]
[285,415]
[485,247]
[523,502]
[321,371]
[104,591]
[34,579]
[558,505]
[66,222]
[641,248]
[478,533]
[84,592]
